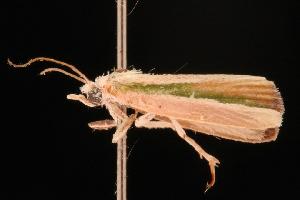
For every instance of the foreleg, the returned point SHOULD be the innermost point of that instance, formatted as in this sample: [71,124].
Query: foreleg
[99,125]
[116,112]
[103,124]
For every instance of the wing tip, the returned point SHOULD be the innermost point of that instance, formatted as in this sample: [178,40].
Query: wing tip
[270,135]
[279,104]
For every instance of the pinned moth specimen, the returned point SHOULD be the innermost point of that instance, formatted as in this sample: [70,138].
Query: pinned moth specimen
[236,107]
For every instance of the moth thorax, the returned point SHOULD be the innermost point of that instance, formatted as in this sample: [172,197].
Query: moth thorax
[92,92]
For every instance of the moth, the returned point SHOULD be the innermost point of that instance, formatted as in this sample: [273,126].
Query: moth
[236,107]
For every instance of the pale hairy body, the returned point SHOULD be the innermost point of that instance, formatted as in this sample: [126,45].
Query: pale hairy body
[236,107]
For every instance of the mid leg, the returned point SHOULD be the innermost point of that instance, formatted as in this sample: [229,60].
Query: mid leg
[212,161]
[123,128]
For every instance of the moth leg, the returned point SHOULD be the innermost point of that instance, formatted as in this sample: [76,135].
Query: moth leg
[103,124]
[145,121]
[123,127]
[116,112]
[123,122]
[212,161]
[81,98]
[117,115]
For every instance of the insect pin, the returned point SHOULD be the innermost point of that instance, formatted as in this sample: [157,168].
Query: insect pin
[236,107]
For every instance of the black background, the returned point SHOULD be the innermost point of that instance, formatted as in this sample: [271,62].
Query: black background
[47,149]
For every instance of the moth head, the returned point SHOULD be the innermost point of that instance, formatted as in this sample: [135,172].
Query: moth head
[92,92]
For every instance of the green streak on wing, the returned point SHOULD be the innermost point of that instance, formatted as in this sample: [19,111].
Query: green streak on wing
[187,90]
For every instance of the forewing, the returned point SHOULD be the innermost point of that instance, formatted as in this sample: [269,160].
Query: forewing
[253,91]
[244,108]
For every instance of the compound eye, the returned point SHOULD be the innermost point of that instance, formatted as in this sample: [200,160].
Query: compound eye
[95,95]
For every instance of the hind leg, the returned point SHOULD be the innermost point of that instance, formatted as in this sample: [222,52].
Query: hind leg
[212,161]
[146,122]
